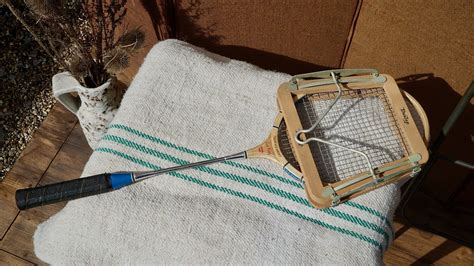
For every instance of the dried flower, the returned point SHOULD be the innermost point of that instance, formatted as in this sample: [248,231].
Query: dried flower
[79,66]
[132,40]
[44,8]
[116,60]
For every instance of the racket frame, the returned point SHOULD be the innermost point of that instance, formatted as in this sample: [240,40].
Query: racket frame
[323,195]
[270,149]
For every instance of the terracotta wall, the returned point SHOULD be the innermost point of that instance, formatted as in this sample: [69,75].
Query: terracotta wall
[283,35]
[428,47]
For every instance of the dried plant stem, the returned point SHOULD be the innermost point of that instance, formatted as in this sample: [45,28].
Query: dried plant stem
[20,19]
[100,25]
[162,27]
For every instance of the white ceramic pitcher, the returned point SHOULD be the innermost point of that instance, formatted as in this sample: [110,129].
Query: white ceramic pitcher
[95,107]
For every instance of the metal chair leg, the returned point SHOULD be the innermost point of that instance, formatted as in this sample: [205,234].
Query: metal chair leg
[416,183]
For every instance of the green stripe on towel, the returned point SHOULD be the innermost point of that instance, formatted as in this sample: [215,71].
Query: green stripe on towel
[246,196]
[254,183]
[248,168]
[204,155]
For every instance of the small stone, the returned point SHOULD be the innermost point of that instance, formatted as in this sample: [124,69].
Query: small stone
[2,135]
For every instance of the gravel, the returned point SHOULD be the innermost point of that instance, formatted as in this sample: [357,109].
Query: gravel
[25,88]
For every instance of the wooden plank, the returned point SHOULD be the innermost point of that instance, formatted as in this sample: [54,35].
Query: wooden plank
[9,259]
[414,246]
[19,239]
[67,165]
[58,124]
[8,211]
[45,144]
[34,161]
[77,138]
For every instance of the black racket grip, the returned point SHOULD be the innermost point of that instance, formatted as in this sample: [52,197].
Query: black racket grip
[63,191]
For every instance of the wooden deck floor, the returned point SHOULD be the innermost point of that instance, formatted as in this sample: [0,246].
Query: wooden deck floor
[59,151]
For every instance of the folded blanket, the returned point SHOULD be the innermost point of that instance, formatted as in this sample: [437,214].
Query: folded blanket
[185,105]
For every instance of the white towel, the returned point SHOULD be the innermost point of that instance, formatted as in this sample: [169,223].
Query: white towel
[185,105]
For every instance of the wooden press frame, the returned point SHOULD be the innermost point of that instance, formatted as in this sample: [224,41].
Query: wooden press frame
[330,194]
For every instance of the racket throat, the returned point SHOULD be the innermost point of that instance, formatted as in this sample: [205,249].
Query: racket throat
[269,149]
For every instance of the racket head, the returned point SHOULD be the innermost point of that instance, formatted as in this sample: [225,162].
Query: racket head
[385,130]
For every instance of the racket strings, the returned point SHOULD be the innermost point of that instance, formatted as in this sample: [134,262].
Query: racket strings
[362,120]
[286,146]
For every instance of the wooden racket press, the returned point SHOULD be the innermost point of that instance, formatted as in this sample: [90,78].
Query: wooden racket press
[393,120]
